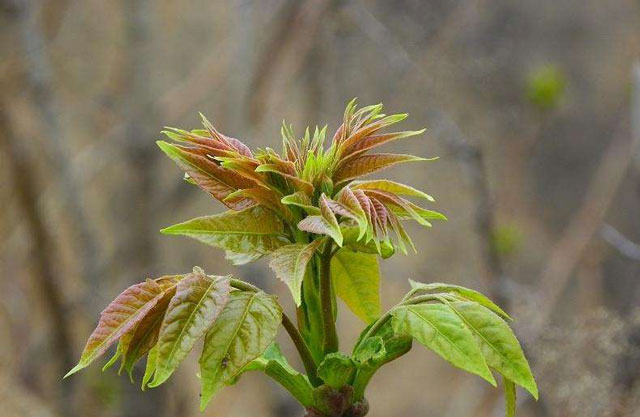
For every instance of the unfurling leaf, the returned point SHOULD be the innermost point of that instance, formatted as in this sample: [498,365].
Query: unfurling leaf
[324,224]
[356,279]
[368,164]
[391,187]
[336,370]
[273,363]
[192,311]
[439,328]
[122,315]
[242,332]
[290,264]
[254,232]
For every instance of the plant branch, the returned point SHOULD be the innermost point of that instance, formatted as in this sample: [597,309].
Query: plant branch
[326,300]
[302,348]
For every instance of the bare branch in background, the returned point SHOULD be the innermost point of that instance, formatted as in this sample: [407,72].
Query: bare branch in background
[296,35]
[42,254]
[39,75]
[620,242]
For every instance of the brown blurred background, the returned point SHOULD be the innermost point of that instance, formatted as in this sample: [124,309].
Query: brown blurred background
[532,105]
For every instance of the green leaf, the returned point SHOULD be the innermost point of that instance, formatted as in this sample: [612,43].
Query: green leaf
[290,264]
[122,315]
[324,224]
[152,360]
[300,199]
[336,370]
[273,363]
[374,352]
[498,343]
[356,279]
[254,232]
[509,397]
[192,311]
[462,292]
[391,187]
[439,328]
[351,240]
[245,328]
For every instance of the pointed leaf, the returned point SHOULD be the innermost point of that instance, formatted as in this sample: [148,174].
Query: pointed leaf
[391,187]
[290,264]
[499,345]
[254,231]
[208,175]
[120,316]
[368,164]
[356,279]
[301,200]
[245,328]
[351,240]
[324,224]
[439,328]
[465,293]
[192,311]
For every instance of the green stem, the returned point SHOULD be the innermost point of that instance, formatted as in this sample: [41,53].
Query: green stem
[328,319]
[302,348]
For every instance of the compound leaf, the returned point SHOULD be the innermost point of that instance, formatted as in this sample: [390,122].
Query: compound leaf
[439,328]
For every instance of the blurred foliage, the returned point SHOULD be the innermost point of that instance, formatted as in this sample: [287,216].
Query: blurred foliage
[545,86]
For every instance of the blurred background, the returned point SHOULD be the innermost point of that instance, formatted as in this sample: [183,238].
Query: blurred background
[533,107]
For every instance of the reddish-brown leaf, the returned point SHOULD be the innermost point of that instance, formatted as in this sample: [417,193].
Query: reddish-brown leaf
[367,164]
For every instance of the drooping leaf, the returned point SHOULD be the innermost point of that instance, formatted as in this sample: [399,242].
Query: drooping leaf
[356,279]
[122,315]
[242,332]
[254,232]
[152,360]
[290,264]
[499,345]
[439,328]
[462,292]
[349,200]
[208,175]
[368,164]
[336,370]
[324,224]
[351,240]
[144,337]
[192,311]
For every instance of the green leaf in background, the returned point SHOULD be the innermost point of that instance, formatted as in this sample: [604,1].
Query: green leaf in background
[509,397]
[439,328]
[336,370]
[356,279]
[122,315]
[498,343]
[254,232]
[290,264]
[192,311]
[462,292]
[242,332]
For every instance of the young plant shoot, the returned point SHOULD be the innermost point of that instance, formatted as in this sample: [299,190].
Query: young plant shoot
[323,228]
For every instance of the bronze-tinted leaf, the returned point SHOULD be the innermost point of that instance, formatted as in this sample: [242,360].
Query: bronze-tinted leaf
[367,164]
[120,316]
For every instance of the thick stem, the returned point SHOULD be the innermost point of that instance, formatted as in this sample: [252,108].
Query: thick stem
[302,348]
[328,319]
